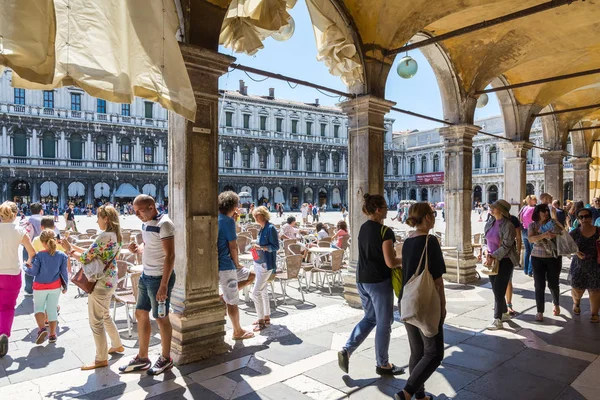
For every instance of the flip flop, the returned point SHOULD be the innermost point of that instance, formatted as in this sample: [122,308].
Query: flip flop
[246,335]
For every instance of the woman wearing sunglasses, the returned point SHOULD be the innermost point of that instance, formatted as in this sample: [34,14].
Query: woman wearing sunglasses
[544,259]
[585,273]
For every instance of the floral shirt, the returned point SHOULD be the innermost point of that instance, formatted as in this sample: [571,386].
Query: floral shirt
[106,248]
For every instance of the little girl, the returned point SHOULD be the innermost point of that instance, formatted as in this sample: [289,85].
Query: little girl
[49,268]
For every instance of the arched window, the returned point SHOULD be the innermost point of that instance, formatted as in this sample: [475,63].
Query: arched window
[309,160]
[423,164]
[101,148]
[294,160]
[477,159]
[493,154]
[278,159]
[48,145]
[75,144]
[413,194]
[228,156]
[395,165]
[323,162]
[336,162]
[262,158]
[411,167]
[492,194]
[245,157]
[149,151]
[126,149]
[529,189]
[19,144]
[436,163]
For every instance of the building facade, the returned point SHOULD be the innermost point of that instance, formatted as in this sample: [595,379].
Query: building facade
[64,145]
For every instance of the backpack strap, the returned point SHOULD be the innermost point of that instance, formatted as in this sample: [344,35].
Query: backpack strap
[383,231]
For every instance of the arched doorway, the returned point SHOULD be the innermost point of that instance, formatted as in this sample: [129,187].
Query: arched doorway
[477,194]
[278,196]
[424,195]
[336,198]
[263,196]
[413,194]
[492,194]
[49,192]
[322,197]
[294,198]
[101,193]
[21,192]
[76,192]
[308,195]
[529,189]
[568,191]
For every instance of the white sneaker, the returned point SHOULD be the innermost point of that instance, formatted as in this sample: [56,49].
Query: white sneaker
[506,317]
[495,325]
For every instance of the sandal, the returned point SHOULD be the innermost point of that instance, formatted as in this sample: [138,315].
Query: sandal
[246,335]
[576,309]
[594,319]
[539,317]
[511,312]
[260,326]
[267,321]
[556,311]
[97,364]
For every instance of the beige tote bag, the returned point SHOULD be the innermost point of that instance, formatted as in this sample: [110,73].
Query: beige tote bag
[420,305]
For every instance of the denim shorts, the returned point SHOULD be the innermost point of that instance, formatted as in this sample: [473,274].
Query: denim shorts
[147,289]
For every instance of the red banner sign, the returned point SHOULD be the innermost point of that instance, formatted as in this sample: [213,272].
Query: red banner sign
[431,178]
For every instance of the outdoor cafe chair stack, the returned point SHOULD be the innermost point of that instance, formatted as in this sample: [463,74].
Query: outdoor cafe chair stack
[91,231]
[293,266]
[254,233]
[243,242]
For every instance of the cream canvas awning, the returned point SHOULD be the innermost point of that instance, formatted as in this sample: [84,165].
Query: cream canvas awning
[114,50]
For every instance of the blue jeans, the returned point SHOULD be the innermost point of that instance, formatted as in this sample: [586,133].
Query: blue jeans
[527,269]
[147,288]
[28,278]
[378,303]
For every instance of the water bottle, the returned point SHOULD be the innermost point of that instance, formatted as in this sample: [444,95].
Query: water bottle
[162,309]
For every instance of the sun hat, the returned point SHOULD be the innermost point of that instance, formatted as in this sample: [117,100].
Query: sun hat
[503,207]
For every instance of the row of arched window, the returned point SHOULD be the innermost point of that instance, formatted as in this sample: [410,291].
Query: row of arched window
[412,165]
[279,159]
[76,146]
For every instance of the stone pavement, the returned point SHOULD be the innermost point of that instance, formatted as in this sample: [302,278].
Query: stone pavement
[296,357]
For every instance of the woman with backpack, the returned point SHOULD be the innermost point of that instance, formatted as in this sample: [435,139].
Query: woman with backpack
[376,258]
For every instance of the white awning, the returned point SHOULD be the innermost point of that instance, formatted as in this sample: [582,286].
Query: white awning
[101,190]
[49,188]
[335,196]
[385,196]
[166,195]
[149,189]
[395,198]
[126,190]
[278,196]
[113,50]
[263,192]
[246,189]
[76,189]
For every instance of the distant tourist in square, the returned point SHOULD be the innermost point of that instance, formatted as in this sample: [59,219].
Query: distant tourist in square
[51,277]
[106,248]
[155,286]
[33,227]
[344,213]
[11,236]
[315,213]
[232,276]
[546,264]
[267,246]
[426,353]
[374,284]
[338,236]
[70,218]
[499,242]
[304,211]
[585,272]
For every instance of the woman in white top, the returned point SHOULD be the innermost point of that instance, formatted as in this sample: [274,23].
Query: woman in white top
[11,236]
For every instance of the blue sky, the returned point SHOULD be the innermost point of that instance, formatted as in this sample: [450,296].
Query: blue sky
[297,58]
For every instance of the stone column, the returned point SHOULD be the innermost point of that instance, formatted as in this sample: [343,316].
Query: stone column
[458,161]
[365,167]
[553,173]
[581,179]
[198,319]
[515,172]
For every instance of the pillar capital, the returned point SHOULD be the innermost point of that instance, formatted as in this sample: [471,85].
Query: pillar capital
[516,149]
[366,112]
[461,131]
[554,156]
[581,163]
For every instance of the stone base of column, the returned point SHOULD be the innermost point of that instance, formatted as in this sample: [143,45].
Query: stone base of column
[350,290]
[198,333]
[462,270]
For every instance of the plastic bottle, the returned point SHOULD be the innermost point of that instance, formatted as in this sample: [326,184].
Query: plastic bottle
[162,309]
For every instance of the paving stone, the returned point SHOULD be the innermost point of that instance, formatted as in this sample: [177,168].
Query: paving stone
[548,365]
[278,391]
[399,353]
[242,374]
[314,389]
[510,383]
[289,350]
[570,393]
[454,335]
[362,373]
[467,395]
[497,344]
[194,391]
[473,358]
[467,322]
[38,364]
[444,382]
[376,391]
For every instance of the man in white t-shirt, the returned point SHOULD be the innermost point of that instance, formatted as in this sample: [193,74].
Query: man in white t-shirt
[155,285]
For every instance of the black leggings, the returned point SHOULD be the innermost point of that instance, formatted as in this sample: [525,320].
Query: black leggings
[499,285]
[426,354]
[546,269]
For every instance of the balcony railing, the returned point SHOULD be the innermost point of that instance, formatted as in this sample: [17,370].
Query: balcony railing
[55,163]
[485,171]
[295,137]
[281,173]
[81,115]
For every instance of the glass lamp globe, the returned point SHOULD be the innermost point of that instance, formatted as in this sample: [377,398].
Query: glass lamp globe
[407,68]
[482,100]
[286,31]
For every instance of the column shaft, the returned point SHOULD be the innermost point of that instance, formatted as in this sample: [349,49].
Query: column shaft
[553,173]
[581,179]
[458,159]
[366,123]
[515,172]
[198,320]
